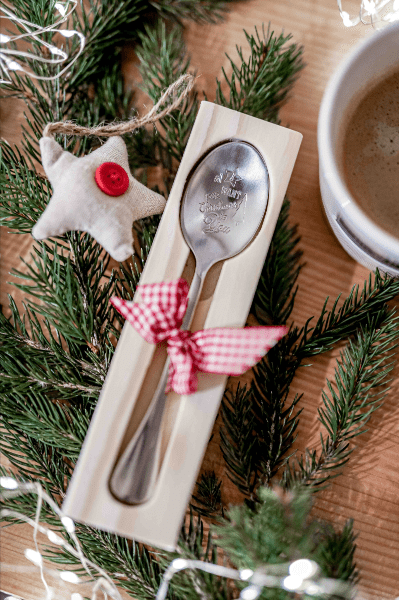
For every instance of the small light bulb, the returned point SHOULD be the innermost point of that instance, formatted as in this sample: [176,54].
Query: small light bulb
[313,589]
[346,19]
[57,51]
[303,568]
[250,593]
[9,483]
[4,38]
[292,583]
[53,537]
[68,524]
[246,574]
[61,8]
[34,556]
[12,65]
[179,563]
[369,5]
[67,32]
[69,577]
[76,596]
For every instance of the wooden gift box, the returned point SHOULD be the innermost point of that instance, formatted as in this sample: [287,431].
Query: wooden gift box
[136,366]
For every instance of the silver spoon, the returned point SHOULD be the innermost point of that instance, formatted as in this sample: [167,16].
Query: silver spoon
[222,208]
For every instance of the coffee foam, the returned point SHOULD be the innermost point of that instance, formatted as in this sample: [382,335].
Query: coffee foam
[370,153]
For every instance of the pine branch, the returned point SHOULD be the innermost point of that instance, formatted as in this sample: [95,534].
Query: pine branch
[336,550]
[260,85]
[129,564]
[70,292]
[72,288]
[275,531]
[163,58]
[200,11]
[35,460]
[195,544]
[91,103]
[106,25]
[267,414]
[24,193]
[208,496]
[278,530]
[239,445]
[275,294]
[110,22]
[30,350]
[258,429]
[361,379]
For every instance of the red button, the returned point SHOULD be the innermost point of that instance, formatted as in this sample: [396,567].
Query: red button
[112,179]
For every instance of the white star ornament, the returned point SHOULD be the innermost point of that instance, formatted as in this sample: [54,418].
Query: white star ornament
[95,193]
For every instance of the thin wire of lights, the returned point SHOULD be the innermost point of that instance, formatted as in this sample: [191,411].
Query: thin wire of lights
[377,13]
[301,576]
[99,580]
[11,58]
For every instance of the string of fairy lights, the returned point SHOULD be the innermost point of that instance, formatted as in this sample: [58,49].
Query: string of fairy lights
[377,13]
[301,576]
[14,59]
[94,577]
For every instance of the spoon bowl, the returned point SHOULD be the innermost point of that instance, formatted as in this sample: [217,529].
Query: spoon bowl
[224,202]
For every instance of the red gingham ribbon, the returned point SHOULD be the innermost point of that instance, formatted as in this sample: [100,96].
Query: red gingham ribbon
[228,351]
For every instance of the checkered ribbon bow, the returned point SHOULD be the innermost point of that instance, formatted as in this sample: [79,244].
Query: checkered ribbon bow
[159,316]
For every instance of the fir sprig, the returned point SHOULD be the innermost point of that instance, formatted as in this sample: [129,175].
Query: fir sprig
[279,530]
[204,11]
[208,496]
[44,358]
[264,411]
[276,291]
[361,379]
[131,565]
[336,552]
[163,58]
[24,192]
[196,542]
[259,85]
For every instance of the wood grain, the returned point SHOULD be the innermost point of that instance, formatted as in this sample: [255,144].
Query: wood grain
[368,489]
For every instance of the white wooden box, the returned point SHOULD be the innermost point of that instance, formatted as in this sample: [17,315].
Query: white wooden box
[136,366]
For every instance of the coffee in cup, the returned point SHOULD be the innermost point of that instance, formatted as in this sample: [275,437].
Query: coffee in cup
[358,138]
[370,152]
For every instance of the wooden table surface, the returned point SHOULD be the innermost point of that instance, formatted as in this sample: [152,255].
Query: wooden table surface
[368,489]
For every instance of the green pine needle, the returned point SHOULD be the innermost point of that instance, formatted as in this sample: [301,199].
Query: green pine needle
[208,495]
[361,378]
[163,59]
[260,85]
[265,412]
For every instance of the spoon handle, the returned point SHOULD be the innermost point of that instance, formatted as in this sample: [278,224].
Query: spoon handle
[136,472]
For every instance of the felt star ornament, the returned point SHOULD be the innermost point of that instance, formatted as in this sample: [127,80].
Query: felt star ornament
[95,193]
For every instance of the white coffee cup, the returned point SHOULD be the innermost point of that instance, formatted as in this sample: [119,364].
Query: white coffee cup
[362,238]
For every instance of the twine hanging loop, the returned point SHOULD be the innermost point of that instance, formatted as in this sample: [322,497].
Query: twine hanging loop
[158,111]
